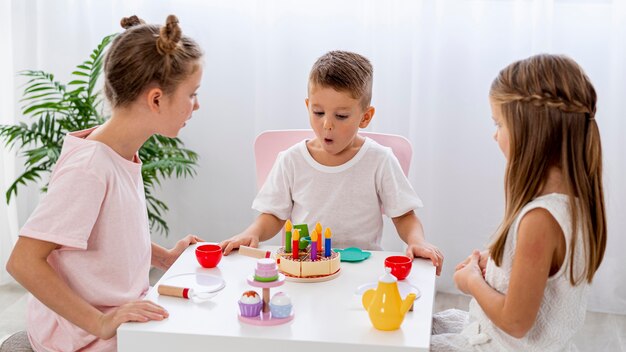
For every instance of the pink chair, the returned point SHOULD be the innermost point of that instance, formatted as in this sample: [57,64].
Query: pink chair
[269,143]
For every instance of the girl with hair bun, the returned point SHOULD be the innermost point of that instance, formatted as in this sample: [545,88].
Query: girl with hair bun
[530,286]
[85,252]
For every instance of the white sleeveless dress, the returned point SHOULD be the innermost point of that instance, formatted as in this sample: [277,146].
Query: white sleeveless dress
[560,316]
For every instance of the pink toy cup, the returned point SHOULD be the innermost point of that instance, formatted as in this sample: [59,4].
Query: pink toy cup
[400,266]
[209,255]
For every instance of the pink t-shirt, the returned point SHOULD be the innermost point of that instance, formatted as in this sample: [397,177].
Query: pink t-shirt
[95,209]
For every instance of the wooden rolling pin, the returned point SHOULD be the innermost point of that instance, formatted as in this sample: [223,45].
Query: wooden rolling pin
[175,291]
[254,252]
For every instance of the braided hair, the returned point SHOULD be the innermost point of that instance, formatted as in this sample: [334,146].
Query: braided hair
[549,105]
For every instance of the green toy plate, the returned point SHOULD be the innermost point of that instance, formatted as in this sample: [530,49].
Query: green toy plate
[304,242]
[303,228]
[352,254]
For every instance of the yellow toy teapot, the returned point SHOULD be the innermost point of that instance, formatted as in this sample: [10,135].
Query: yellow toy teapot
[385,306]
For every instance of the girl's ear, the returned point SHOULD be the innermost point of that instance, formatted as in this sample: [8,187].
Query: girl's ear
[367,117]
[155,99]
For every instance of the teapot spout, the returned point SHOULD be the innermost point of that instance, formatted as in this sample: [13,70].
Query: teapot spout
[407,303]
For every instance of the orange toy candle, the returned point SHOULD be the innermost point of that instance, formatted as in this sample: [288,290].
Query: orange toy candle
[318,228]
[295,243]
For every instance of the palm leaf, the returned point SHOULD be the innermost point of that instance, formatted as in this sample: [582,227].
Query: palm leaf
[54,109]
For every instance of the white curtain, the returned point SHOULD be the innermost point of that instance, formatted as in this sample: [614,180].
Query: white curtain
[8,213]
[434,61]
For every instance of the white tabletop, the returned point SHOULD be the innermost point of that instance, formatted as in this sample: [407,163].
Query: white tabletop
[328,315]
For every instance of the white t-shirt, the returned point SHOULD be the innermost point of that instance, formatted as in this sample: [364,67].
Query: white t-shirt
[346,198]
[95,209]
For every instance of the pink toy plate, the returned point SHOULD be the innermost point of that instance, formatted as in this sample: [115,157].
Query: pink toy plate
[269,284]
[265,319]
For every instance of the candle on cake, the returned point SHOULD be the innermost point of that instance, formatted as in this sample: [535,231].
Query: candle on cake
[327,245]
[314,242]
[295,243]
[288,228]
[318,228]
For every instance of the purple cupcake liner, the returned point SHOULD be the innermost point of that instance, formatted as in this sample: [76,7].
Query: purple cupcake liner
[250,310]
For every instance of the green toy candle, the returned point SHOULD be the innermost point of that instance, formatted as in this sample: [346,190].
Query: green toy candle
[288,228]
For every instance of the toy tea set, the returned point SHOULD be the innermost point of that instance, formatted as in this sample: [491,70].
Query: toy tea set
[304,259]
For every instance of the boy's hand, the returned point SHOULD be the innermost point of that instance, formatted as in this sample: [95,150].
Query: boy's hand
[242,239]
[428,251]
[139,311]
[470,271]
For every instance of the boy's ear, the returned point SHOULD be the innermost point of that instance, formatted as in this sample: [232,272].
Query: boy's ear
[155,99]
[306,102]
[367,117]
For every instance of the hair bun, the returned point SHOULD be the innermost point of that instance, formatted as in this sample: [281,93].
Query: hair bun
[169,36]
[131,21]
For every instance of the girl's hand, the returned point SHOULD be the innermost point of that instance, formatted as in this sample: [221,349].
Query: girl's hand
[428,251]
[242,239]
[482,263]
[165,259]
[139,311]
[469,271]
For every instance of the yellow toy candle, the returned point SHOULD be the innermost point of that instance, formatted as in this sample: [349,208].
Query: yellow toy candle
[288,228]
[314,242]
[318,228]
[295,241]
[327,236]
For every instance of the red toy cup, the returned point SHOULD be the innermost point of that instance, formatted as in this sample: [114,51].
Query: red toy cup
[209,255]
[400,266]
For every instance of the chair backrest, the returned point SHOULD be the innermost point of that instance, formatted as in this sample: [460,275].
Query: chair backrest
[269,143]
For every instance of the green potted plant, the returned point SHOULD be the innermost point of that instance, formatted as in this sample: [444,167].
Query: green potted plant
[53,109]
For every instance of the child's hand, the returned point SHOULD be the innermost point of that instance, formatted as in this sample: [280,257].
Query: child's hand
[482,262]
[242,239]
[139,311]
[179,248]
[467,272]
[428,251]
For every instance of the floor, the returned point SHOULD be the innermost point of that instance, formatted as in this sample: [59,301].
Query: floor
[602,332]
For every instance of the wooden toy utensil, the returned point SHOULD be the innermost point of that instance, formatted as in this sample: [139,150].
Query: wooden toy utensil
[184,292]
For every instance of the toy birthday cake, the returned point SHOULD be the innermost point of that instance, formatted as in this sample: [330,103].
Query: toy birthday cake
[306,257]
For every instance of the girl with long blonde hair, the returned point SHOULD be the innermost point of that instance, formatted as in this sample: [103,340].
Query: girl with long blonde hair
[529,287]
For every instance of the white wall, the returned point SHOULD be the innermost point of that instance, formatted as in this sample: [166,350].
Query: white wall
[433,60]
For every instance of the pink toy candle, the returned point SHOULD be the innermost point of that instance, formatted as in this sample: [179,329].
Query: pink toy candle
[295,243]
[314,242]
[327,245]
[318,228]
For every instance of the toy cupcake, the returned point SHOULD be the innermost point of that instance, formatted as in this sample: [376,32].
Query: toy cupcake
[280,305]
[250,304]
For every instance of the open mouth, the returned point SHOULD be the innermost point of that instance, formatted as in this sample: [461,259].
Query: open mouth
[328,140]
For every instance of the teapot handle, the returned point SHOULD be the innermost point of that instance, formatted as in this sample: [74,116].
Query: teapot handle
[367,298]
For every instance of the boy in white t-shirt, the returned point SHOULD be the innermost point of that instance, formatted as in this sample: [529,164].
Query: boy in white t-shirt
[339,178]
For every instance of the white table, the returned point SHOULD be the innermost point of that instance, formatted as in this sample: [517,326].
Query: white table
[328,315]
